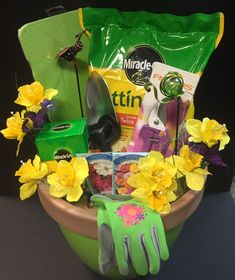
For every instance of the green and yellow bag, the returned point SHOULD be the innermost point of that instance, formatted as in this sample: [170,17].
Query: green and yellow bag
[124,46]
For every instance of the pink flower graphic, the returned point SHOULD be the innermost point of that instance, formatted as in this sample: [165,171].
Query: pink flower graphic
[131,214]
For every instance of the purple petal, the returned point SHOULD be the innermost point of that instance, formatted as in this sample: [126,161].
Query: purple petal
[215,159]
[25,128]
[38,118]
[211,155]
[47,104]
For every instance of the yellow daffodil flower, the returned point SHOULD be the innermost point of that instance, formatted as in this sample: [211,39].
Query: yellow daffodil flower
[208,131]
[155,184]
[68,178]
[189,165]
[51,165]
[30,174]
[14,128]
[32,95]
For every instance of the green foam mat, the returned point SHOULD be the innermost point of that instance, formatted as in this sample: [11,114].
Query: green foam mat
[41,42]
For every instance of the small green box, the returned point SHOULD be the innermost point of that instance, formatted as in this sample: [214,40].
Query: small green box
[62,139]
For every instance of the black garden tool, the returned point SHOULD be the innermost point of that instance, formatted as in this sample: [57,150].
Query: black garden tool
[103,126]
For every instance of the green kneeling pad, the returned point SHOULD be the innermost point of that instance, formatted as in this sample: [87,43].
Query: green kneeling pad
[41,42]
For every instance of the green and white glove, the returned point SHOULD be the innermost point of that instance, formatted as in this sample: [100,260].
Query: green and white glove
[129,233]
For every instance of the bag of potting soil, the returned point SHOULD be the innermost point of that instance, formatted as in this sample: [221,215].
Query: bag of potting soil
[125,46]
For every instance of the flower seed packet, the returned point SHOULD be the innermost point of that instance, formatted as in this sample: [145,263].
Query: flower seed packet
[125,164]
[100,172]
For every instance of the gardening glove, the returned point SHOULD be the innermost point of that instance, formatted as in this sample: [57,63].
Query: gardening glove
[106,252]
[129,230]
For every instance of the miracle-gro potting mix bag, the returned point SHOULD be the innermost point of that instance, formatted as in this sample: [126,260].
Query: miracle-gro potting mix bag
[134,50]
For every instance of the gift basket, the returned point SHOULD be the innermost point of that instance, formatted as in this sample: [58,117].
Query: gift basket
[122,162]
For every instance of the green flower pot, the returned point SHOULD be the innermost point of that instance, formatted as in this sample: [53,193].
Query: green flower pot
[79,226]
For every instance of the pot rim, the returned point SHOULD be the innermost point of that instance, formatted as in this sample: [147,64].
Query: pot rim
[82,219]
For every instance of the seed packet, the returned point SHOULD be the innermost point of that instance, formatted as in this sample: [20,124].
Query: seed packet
[124,45]
[125,164]
[100,172]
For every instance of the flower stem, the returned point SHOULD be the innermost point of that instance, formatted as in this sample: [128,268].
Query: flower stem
[78,86]
[177,125]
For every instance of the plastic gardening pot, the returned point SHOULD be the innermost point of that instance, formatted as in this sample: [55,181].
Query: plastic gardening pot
[79,225]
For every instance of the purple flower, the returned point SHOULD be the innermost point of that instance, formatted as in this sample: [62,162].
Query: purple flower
[47,104]
[26,126]
[140,216]
[38,119]
[211,155]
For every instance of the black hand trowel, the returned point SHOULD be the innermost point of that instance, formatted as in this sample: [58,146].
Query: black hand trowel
[103,126]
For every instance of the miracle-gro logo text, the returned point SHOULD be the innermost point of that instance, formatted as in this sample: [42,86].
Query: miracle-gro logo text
[139,63]
[132,64]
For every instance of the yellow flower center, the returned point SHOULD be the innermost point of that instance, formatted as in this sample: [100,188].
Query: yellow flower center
[157,193]
[131,212]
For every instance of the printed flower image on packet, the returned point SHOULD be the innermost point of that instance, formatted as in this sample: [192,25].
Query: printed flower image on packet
[125,165]
[125,45]
[100,172]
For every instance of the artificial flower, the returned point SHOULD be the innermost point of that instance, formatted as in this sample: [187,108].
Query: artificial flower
[30,174]
[210,155]
[154,184]
[188,164]
[14,128]
[134,168]
[35,121]
[153,162]
[51,165]
[31,96]
[66,181]
[208,131]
